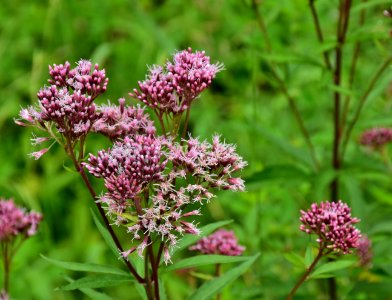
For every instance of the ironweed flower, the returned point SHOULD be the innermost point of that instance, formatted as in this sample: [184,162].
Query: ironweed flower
[221,242]
[364,251]
[376,137]
[172,88]
[14,221]
[333,224]
[117,122]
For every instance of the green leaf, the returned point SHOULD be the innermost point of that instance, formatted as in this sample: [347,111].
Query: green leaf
[202,260]
[92,293]
[295,259]
[141,291]
[309,256]
[299,154]
[204,231]
[162,290]
[366,5]
[214,286]
[105,233]
[330,267]
[97,281]
[85,267]
[278,172]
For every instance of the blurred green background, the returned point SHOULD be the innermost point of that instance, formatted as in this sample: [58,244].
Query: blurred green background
[243,104]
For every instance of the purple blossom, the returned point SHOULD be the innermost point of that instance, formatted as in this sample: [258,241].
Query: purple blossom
[333,224]
[37,155]
[172,88]
[127,169]
[68,101]
[221,242]
[15,221]
[364,251]
[376,137]
[117,122]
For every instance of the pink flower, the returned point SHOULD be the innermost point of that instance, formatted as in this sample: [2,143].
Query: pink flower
[333,224]
[15,221]
[221,242]
[120,121]
[364,251]
[37,155]
[376,137]
[172,88]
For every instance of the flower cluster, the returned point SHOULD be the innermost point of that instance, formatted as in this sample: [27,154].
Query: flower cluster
[127,169]
[14,221]
[376,137]
[68,101]
[364,251]
[172,88]
[333,224]
[117,122]
[221,242]
[194,169]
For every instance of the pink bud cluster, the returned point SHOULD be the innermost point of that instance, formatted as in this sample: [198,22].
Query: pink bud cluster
[117,122]
[172,88]
[68,101]
[376,137]
[333,224]
[14,221]
[127,169]
[221,242]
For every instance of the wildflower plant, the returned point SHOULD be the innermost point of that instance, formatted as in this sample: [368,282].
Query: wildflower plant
[155,178]
[333,225]
[16,225]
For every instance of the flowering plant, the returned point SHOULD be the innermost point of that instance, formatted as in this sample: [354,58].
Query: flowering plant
[154,178]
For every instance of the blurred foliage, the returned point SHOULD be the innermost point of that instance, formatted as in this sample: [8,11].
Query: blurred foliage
[244,105]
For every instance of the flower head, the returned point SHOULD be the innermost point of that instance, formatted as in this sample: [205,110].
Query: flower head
[117,122]
[68,101]
[127,168]
[172,88]
[15,221]
[221,242]
[333,224]
[376,137]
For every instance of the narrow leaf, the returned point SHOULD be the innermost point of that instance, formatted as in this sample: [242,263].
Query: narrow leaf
[85,267]
[105,233]
[212,287]
[309,255]
[202,260]
[332,266]
[295,259]
[97,281]
[92,293]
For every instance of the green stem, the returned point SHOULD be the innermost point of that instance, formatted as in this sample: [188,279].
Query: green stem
[306,274]
[148,285]
[218,271]
[319,32]
[362,102]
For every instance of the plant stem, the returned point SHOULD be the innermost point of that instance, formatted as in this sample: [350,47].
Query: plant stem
[362,101]
[80,170]
[319,32]
[284,89]
[354,61]
[343,22]
[306,274]
[6,265]
[148,285]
